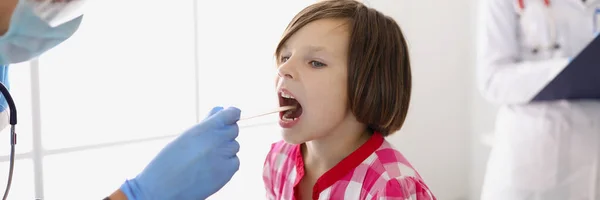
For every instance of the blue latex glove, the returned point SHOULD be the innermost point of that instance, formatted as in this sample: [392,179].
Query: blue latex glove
[195,165]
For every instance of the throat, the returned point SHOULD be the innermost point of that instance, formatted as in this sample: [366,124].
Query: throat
[306,185]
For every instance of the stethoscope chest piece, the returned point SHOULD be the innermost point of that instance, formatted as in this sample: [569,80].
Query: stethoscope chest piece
[538,25]
[536,50]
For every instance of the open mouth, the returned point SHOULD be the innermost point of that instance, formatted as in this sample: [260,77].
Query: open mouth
[286,99]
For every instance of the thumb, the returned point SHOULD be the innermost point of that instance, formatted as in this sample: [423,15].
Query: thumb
[214,110]
[228,116]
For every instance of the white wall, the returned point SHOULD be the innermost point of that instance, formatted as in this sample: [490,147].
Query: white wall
[482,120]
[437,136]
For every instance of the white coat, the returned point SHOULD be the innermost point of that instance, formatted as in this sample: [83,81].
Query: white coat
[542,151]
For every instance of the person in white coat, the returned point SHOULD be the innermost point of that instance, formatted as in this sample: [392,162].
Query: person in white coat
[543,150]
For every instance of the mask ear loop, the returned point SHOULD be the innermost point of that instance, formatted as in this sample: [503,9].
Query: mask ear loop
[13,135]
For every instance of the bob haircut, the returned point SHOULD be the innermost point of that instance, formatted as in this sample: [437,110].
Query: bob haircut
[379,75]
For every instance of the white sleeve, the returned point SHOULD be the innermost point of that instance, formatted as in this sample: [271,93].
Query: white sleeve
[502,75]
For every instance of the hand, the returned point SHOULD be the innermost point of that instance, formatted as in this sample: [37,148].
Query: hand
[195,165]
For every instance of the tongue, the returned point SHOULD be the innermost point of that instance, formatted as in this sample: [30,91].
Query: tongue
[295,113]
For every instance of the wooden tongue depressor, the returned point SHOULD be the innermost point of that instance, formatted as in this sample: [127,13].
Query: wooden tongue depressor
[280,109]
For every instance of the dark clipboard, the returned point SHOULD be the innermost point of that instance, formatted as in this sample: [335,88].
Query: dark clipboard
[580,80]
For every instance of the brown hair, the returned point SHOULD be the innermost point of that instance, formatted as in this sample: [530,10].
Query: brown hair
[379,76]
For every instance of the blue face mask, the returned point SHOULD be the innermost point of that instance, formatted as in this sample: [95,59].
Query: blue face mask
[29,36]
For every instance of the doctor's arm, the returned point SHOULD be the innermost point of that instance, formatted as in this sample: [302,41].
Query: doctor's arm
[502,75]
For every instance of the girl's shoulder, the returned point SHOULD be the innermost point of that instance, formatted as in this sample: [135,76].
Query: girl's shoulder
[282,153]
[395,177]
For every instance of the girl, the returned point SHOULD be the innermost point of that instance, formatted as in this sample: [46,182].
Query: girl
[346,69]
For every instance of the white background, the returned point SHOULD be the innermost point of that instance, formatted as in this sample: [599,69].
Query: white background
[142,69]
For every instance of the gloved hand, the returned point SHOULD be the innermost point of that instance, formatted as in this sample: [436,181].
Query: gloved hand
[195,165]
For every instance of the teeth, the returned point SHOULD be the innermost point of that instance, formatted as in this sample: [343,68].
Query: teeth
[286,118]
[287,96]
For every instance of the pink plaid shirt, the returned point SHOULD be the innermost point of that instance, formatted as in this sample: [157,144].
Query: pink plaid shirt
[375,171]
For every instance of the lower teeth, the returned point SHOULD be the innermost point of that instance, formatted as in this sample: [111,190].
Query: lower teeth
[287,118]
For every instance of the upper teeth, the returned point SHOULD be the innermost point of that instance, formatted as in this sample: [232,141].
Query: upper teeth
[284,95]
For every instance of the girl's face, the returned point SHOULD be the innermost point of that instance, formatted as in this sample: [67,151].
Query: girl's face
[313,71]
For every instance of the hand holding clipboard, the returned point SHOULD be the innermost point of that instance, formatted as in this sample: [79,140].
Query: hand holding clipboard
[579,80]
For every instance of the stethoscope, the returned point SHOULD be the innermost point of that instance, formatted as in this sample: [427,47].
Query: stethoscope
[554,45]
[12,114]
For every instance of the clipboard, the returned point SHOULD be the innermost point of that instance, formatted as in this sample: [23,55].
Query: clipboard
[580,80]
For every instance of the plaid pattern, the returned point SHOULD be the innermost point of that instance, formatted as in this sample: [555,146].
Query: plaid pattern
[375,171]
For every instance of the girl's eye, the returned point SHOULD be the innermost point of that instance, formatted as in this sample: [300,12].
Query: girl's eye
[317,64]
[284,59]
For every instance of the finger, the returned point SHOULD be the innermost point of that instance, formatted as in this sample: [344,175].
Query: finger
[228,116]
[233,148]
[229,167]
[234,164]
[212,112]
[231,132]
[227,150]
